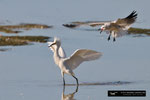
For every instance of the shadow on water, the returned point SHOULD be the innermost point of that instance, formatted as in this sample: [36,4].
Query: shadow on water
[102,83]
[27,26]
[4,49]
[21,40]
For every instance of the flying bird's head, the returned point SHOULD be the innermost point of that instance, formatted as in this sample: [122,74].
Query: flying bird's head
[56,42]
[103,27]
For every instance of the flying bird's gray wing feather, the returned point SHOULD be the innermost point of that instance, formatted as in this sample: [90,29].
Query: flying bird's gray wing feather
[126,22]
[87,23]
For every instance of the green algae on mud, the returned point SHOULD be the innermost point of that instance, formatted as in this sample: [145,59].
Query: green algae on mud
[26,26]
[13,28]
[5,30]
[21,40]
[139,31]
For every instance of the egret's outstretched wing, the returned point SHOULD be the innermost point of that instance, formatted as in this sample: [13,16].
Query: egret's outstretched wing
[81,55]
[126,22]
[61,51]
[87,23]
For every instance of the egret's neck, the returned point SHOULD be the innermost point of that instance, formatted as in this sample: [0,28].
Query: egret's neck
[56,55]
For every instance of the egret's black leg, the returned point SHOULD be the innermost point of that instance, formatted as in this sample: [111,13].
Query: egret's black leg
[62,73]
[76,89]
[76,80]
[64,81]
[63,88]
[77,83]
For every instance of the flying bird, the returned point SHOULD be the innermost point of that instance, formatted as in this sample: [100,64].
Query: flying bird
[68,64]
[115,28]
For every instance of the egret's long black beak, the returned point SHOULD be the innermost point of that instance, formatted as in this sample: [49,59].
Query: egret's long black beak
[51,44]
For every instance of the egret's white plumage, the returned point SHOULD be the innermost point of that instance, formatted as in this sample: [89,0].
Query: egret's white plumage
[61,52]
[115,28]
[68,64]
[81,55]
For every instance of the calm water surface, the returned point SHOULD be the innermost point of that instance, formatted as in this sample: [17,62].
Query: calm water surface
[29,73]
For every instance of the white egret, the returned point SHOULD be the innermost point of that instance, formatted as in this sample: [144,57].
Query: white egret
[115,28]
[67,65]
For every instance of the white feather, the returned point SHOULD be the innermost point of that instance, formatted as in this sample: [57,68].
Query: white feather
[61,51]
[81,55]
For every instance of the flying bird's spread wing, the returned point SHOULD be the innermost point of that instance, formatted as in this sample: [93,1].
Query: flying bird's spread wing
[123,22]
[87,23]
[61,51]
[126,22]
[81,55]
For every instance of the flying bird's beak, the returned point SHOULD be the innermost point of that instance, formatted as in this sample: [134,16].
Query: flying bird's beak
[101,30]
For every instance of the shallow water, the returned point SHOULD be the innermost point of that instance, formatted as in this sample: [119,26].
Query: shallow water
[29,73]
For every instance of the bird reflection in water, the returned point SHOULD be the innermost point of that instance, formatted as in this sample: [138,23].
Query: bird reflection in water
[69,96]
